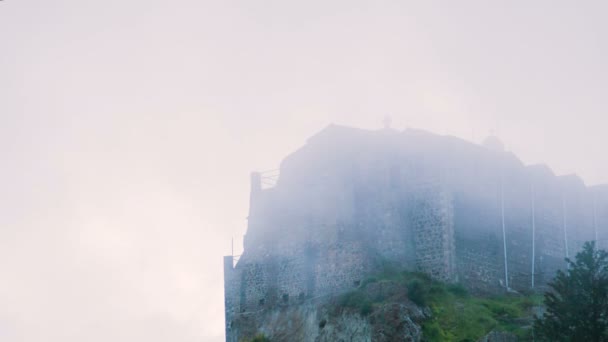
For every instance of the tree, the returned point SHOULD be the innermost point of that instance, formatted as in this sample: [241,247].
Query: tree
[577,302]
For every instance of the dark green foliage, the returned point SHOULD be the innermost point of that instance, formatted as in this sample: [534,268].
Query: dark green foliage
[366,308]
[577,305]
[458,290]
[368,281]
[417,292]
[456,314]
[356,300]
[260,338]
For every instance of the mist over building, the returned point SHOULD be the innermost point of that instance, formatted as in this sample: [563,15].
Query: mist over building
[351,200]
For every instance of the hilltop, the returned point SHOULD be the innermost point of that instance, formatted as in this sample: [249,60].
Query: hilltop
[398,306]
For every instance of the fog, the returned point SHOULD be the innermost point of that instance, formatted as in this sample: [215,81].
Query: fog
[128,130]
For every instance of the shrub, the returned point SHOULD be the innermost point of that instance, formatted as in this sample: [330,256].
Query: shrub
[458,290]
[417,292]
[365,308]
[576,304]
[356,300]
[260,338]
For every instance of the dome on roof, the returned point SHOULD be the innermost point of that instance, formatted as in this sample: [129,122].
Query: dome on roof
[493,143]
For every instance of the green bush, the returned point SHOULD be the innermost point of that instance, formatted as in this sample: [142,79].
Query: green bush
[417,292]
[458,290]
[368,281]
[357,300]
[365,308]
[456,315]
[260,338]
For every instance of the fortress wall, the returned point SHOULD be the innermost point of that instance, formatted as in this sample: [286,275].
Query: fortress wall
[519,255]
[432,225]
[600,195]
[381,219]
[342,267]
[306,274]
[549,242]
[413,219]
[578,206]
[395,238]
[259,286]
[517,194]
[477,225]
[478,229]
[231,297]
[293,275]
[478,240]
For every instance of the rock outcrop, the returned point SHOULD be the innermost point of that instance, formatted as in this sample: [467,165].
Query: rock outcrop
[313,323]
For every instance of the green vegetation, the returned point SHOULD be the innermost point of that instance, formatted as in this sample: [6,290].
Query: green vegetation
[577,306]
[456,315]
[260,338]
[357,300]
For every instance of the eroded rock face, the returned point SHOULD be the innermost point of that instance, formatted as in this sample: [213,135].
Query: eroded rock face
[309,323]
[346,327]
[325,323]
[397,322]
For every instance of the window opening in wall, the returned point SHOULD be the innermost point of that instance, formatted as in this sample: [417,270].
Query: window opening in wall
[357,283]
[285,298]
[301,296]
[262,302]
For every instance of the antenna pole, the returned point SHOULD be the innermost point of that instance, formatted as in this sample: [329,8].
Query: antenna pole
[504,233]
[533,231]
[564,223]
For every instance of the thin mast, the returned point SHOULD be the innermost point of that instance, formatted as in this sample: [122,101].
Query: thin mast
[564,224]
[504,233]
[533,231]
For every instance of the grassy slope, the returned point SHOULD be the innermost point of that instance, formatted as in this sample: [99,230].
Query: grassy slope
[457,316]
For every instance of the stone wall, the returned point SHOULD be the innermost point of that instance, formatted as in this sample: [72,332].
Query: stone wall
[600,213]
[282,280]
[478,240]
[432,221]
[231,298]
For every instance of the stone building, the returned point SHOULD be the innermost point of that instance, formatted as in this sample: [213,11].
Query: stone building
[351,200]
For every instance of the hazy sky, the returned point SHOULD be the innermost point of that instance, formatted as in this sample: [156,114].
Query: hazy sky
[128,129]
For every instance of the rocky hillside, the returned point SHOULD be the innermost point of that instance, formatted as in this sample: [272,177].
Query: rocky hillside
[395,306]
